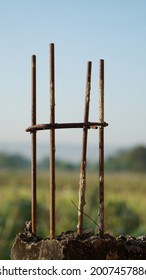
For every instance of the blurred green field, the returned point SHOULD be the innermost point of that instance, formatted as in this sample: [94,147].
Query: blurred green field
[125,205]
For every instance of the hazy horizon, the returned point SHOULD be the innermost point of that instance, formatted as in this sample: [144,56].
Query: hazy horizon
[66,152]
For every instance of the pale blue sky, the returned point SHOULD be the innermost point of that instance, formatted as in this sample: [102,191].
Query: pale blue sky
[82,30]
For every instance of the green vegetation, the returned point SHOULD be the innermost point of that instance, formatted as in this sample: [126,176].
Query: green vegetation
[124,204]
[124,196]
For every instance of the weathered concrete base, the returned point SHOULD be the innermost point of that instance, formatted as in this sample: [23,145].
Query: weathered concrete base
[70,246]
[42,250]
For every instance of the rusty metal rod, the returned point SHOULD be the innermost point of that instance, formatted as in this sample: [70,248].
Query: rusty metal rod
[82,183]
[101,148]
[52,143]
[33,139]
[89,125]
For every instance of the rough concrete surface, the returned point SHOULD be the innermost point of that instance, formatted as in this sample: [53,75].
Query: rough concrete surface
[71,246]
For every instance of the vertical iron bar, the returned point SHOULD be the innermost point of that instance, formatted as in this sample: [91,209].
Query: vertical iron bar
[52,143]
[101,148]
[82,183]
[33,161]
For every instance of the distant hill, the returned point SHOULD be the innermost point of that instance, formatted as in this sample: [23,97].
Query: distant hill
[13,161]
[133,159]
[60,164]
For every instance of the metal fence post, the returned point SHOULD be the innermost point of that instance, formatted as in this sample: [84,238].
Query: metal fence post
[33,160]
[82,183]
[52,143]
[101,148]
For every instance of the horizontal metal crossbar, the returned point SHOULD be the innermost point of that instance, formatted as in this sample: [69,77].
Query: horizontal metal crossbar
[93,125]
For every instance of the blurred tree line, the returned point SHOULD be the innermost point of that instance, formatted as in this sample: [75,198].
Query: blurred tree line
[133,159]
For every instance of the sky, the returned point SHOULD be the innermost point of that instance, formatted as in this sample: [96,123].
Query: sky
[82,31]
